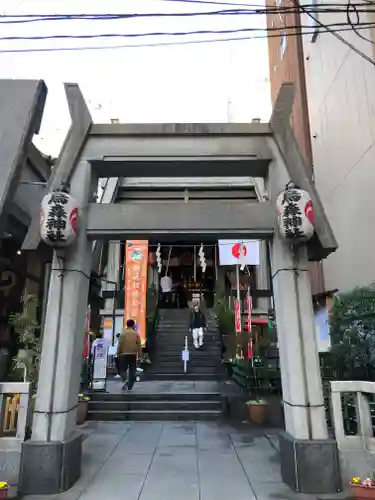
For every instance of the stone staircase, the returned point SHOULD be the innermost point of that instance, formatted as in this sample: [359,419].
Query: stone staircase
[156,406]
[204,363]
[166,392]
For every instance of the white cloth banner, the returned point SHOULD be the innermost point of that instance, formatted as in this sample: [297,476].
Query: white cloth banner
[230,252]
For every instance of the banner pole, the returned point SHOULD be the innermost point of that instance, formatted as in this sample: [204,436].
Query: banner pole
[238,281]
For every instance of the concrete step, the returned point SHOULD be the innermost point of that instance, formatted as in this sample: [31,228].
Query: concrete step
[203,359]
[184,376]
[191,370]
[181,325]
[154,396]
[154,405]
[197,353]
[193,363]
[151,416]
[169,340]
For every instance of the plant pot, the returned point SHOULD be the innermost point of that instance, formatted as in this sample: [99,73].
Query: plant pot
[256,412]
[360,492]
[82,411]
[4,490]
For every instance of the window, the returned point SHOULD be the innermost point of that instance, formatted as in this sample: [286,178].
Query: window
[283,44]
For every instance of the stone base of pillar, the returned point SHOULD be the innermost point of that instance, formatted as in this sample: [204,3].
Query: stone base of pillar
[310,467]
[50,468]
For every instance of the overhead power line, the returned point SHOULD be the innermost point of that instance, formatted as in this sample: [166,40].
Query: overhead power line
[336,35]
[333,8]
[173,33]
[167,44]
[352,8]
[207,2]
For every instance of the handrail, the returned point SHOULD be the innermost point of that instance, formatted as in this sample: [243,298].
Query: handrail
[357,452]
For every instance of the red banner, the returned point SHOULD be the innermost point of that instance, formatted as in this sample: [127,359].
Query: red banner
[250,349]
[136,263]
[249,304]
[237,316]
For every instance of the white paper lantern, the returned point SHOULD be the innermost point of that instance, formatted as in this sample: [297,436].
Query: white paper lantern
[59,219]
[295,215]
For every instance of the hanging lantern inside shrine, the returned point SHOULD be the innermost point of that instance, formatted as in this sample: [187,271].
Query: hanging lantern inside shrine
[295,215]
[58,219]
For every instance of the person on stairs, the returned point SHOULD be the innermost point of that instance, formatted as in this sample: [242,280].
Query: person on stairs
[128,348]
[197,325]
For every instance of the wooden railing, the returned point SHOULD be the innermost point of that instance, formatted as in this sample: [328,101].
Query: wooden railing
[15,413]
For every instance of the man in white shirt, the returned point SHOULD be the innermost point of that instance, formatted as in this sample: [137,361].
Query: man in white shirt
[166,290]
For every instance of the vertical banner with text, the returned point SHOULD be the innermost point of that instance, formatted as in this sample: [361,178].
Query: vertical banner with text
[136,263]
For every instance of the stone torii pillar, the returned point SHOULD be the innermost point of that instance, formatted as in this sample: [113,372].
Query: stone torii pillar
[51,459]
[309,459]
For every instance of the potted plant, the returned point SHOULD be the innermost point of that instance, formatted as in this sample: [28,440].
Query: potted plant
[363,488]
[352,326]
[4,489]
[25,326]
[82,409]
[256,410]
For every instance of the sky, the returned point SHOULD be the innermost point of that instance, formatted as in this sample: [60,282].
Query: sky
[201,82]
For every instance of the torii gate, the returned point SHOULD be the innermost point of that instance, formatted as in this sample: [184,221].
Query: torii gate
[308,456]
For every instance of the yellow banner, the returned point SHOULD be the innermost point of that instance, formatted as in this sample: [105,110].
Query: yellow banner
[136,261]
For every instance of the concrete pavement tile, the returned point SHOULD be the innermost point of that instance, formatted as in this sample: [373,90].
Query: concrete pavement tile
[67,495]
[127,464]
[211,463]
[221,477]
[178,435]
[262,465]
[175,451]
[211,437]
[117,428]
[126,486]
[144,432]
[178,488]
[135,448]
[277,491]
[174,464]
[221,489]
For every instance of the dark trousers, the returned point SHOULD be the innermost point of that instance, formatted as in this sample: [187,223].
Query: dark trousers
[166,299]
[128,361]
[117,364]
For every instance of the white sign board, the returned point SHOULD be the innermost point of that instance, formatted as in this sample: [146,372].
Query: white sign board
[100,363]
[232,252]
[185,355]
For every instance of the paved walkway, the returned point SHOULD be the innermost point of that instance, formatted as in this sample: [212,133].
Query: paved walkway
[177,461]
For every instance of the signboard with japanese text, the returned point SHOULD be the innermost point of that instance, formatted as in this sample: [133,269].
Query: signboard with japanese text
[136,263]
[100,354]
[237,316]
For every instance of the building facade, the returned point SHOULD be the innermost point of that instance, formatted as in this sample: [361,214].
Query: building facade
[341,100]
[286,64]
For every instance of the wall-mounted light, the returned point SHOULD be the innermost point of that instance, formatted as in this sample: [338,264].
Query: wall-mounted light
[19,252]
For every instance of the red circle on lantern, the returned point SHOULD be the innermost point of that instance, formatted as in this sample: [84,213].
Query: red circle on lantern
[236,250]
